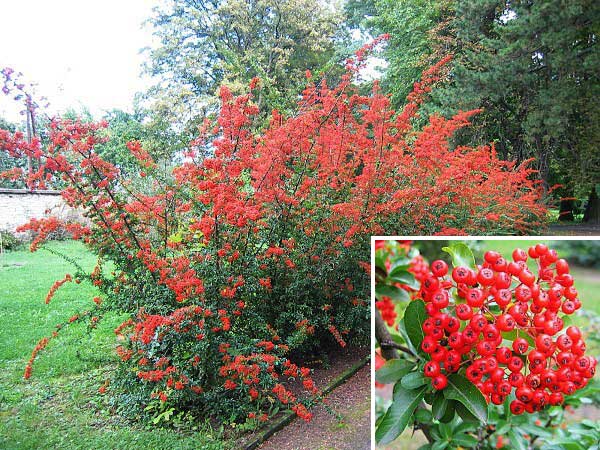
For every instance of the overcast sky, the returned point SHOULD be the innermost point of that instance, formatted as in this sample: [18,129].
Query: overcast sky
[80,52]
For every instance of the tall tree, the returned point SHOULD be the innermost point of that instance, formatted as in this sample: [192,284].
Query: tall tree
[532,65]
[421,33]
[206,43]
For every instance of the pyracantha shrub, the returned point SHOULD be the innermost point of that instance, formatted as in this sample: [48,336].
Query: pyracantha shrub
[255,247]
[495,333]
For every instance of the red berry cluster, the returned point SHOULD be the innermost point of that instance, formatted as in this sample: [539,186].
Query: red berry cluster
[503,300]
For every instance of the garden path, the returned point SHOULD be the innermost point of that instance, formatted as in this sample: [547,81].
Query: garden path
[344,423]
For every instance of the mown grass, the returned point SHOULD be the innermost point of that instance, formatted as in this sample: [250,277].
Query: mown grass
[59,407]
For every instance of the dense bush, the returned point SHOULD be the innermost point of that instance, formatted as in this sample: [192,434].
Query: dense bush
[256,247]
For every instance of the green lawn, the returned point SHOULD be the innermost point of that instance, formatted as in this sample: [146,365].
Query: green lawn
[59,407]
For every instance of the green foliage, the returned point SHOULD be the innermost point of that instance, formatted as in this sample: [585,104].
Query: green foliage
[413,319]
[8,241]
[532,66]
[6,162]
[208,43]
[583,253]
[465,392]
[461,255]
[399,414]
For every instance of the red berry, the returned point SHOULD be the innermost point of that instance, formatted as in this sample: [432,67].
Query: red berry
[523,293]
[505,322]
[562,267]
[485,277]
[491,256]
[516,379]
[503,354]
[543,342]
[439,382]
[565,280]
[515,364]
[565,358]
[524,394]
[440,299]
[502,280]
[431,369]
[517,407]
[478,322]
[574,333]
[460,274]
[429,344]
[519,255]
[431,284]
[475,298]
[500,265]
[526,277]
[464,311]
[568,307]
[452,325]
[520,345]
[491,332]
[439,268]
[564,342]
[503,297]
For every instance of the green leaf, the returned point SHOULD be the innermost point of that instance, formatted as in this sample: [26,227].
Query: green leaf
[510,336]
[393,370]
[462,256]
[414,316]
[517,441]
[465,440]
[393,292]
[400,275]
[440,445]
[400,263]
[398,414]
[502,427]
[413,380]
[466,393]
[535,431]
[405,339]
[423,415]
[465,414]
[440,403]
[450,412]
[569,444]
[445,430]
[380,258]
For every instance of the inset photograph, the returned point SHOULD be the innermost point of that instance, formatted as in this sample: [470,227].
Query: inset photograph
[486,344]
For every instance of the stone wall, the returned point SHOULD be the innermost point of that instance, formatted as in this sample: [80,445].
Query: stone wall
[17,206]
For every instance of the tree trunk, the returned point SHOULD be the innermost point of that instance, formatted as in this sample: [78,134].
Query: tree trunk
[592,209]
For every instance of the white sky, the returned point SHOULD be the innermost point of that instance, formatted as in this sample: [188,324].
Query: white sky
[82,53]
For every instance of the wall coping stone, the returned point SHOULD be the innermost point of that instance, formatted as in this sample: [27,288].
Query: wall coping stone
[29,192]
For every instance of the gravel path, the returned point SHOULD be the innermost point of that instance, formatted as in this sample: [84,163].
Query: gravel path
[345,426]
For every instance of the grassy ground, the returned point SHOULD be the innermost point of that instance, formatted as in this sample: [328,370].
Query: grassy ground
[59,407]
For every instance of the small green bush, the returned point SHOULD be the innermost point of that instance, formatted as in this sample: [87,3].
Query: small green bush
[8,241]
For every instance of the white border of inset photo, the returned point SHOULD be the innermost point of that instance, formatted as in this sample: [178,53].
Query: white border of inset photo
[438,238]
